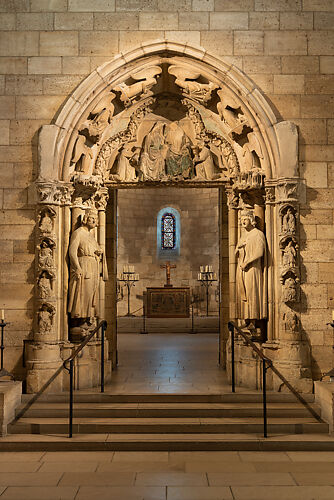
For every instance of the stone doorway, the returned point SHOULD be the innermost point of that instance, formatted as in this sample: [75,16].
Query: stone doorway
[167,114]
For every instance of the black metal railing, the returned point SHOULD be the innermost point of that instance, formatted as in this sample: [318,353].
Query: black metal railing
[266,364]
[70,360]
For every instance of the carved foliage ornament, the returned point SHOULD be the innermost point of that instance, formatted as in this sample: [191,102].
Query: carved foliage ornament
[54,193]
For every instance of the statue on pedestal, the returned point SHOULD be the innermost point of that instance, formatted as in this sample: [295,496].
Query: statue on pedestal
[251,278]
[86,258]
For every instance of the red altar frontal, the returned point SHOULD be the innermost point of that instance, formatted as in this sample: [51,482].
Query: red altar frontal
[168,302]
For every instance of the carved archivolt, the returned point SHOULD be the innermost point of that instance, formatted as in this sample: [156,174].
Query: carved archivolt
[130,136]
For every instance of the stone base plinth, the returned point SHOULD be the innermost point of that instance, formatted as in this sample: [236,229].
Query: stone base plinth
[10,399]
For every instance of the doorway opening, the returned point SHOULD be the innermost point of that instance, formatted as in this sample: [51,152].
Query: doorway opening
[201,243]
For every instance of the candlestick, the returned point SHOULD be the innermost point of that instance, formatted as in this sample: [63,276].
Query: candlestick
[3,314]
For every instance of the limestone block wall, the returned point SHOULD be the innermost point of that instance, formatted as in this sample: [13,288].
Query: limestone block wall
[137,240]
[48,46]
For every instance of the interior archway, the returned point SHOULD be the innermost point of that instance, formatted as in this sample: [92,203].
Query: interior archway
[164,114]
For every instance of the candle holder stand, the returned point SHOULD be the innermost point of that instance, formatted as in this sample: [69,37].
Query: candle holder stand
[3,372]
[206,278]
[129,282]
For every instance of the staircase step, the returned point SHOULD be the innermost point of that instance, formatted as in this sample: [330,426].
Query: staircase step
[167,442]
[97,397]
[141,426]
[165,410]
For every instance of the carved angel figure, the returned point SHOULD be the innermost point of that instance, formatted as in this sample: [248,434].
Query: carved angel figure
[230,111]
[186,79]
[252,152]
[102,114]
[146,78]
[82,155]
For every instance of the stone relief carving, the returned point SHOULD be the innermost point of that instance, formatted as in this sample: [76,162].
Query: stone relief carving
[290,289]
[186,79]
[45,253]
[252,153]
[289,254]
[46,220]
[251,277]
[145,80]
[44,284]
[288,220]
[230,112]
[82,156]
[290,321]
[45,317]
[54,193]
[87,264]
[287,191]
[100,116]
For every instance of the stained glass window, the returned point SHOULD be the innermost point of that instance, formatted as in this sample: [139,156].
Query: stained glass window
[168,229]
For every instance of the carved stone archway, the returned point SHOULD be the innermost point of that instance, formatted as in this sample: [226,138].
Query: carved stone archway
[167,114]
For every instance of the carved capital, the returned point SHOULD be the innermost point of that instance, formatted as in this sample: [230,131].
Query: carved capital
[54,193]
[287,190]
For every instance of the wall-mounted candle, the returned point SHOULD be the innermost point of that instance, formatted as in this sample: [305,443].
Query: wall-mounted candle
[3,314]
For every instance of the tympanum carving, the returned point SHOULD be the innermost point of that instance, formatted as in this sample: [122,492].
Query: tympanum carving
[145,80]
[187,79]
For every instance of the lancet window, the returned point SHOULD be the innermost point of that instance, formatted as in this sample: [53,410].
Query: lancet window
[168,231]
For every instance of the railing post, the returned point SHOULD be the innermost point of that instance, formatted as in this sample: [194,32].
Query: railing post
[102,356]
[231,329]
[264,396]
[70,423]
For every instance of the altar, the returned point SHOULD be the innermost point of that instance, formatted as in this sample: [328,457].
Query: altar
[167,302]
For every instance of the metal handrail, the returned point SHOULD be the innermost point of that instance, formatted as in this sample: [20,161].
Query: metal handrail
[266,364]
[103,325]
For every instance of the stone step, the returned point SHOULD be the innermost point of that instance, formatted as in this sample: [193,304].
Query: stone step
[141,426]
[97,397]
[167,442]
[165,410]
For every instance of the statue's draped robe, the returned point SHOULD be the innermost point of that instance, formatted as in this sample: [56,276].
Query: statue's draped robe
[83,291]
[252,283]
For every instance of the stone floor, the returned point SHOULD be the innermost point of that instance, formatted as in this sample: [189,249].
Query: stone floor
[168,363]
[163,363]
[167,475]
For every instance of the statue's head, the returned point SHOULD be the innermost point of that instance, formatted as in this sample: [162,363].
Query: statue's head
[247,220]
[90,219]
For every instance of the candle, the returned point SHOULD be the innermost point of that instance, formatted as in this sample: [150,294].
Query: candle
[210,269]
[3,314]
[201,269]
[332,314]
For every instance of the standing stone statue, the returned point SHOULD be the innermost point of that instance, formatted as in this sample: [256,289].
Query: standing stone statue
[85,267]
[251,278]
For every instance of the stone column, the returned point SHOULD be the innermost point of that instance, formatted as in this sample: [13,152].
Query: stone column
[293,354]
[43,352]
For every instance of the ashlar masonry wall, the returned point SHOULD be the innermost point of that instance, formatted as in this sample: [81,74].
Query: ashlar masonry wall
[48,46]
